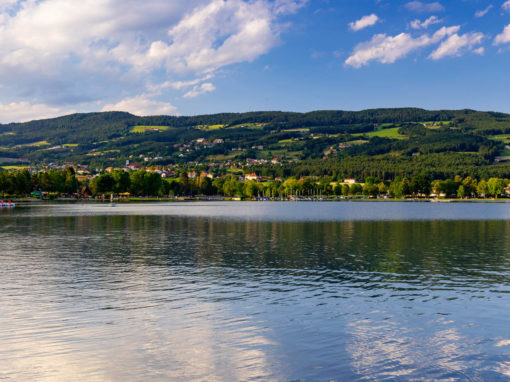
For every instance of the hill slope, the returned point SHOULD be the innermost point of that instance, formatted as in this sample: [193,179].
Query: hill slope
[385,137]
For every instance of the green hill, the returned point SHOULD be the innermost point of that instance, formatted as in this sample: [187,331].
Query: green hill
[368,140]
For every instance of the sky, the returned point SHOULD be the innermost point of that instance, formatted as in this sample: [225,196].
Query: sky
[189,57]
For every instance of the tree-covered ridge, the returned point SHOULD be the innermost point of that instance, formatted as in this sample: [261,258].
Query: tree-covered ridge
[382,141]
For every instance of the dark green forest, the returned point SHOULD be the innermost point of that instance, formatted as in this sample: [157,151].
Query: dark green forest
[384,143]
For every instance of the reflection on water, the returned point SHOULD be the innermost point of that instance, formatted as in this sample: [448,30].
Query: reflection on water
[134,296]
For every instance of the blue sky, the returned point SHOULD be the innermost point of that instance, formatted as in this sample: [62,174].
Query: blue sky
[190,57]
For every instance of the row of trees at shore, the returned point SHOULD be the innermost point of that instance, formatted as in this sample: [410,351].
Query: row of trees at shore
[145,183]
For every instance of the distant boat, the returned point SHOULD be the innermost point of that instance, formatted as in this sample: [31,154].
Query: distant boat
[7,204]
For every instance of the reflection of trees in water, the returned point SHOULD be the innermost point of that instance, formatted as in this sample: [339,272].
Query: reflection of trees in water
[411,251]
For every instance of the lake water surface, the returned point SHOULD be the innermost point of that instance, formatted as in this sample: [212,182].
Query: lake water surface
[255,291]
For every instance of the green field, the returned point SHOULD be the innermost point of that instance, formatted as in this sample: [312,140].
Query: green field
[384,133]
[304,130]
[285,142]
[99,153]
[14,167]
[34,144]
[144,129]
[505,138]
[221,157]
[209,127]
[70,145]
[252,126]
[430,124]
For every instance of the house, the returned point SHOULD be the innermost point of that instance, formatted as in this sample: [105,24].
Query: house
[350,181]
[134,166]
[251,177]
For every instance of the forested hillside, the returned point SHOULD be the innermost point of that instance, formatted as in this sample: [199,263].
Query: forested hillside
[380,142]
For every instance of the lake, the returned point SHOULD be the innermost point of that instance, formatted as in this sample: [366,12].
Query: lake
[219,291]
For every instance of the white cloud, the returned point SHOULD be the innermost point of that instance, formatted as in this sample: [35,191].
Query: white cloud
[421,7]
[24,111]
[480,51]
[216,35]
[456,45]
[417,24]
[7,4]
[142,105]
[92,50]
[387,49]
[286,7]
[200,89]
[483,12]
[179,85]
[364,22]
[506,5]
[503,37]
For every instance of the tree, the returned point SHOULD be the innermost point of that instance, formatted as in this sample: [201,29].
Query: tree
[71,183]
[230,186]
[496,186]
[420,184]
[382,190]
[152,184]
[356,189]
[290,185]
[461,192]
[206,186]
[136,182]
[482,188]
[183,179]
[251,189]
[122,181]
[370,189]
[102,184]
[449,187]
[401,188]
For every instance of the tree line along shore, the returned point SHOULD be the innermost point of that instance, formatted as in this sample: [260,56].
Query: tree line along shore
[64,183]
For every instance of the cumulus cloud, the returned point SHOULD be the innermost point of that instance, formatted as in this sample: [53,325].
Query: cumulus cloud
[25,111]
[456,45]
[480,51]
[421,7]
[388,49]
[364,22]
[199,90]
[142,105]
[506,5]
[503,37]
[216,35]
[483,12]
[7,4]
[417,24]
[89,49]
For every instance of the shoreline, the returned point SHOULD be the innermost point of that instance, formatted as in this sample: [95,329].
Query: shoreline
[136,200]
